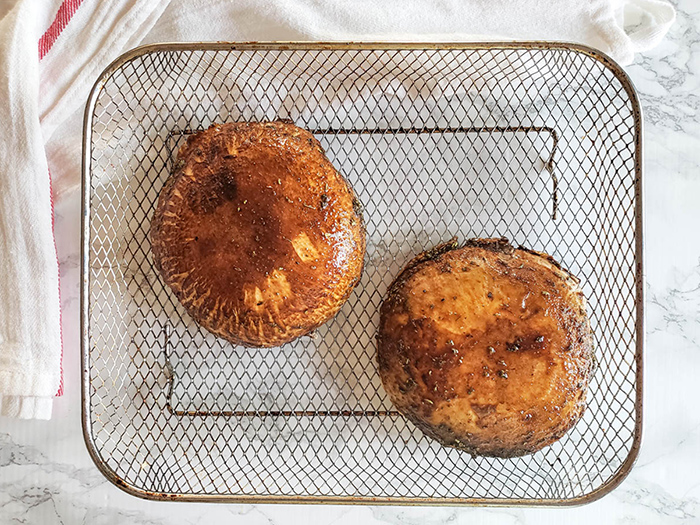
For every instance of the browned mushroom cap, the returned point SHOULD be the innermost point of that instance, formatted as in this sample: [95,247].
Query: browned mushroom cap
[257,234]
[486,348]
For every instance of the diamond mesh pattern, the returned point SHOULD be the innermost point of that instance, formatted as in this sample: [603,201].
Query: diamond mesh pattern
[474,142]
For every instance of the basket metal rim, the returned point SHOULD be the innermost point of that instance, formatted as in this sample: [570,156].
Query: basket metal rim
[608,62]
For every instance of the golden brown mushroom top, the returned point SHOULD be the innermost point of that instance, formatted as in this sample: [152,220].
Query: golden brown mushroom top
[256,232]
[486,347]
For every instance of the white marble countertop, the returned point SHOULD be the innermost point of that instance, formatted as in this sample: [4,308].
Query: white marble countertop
[47,477]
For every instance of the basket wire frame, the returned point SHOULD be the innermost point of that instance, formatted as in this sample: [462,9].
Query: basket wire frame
[536,142]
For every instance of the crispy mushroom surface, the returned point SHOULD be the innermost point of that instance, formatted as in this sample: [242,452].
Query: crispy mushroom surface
[257,234]
[486,348]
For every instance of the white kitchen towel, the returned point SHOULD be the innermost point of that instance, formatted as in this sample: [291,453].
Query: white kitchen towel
[43,92]
[43,71]
[598,23]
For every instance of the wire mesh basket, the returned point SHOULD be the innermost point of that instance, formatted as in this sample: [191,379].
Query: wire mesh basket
[536,142]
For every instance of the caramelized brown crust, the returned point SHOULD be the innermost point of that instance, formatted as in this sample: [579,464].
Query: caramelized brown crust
[486,348]
[257,234]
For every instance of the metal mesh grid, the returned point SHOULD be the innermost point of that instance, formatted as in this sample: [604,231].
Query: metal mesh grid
[477,141]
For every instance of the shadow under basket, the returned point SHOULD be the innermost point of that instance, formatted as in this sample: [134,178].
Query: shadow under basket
[536,142]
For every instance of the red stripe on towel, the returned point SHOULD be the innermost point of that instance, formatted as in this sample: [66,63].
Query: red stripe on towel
[60,309]
[65,12]
[63,16]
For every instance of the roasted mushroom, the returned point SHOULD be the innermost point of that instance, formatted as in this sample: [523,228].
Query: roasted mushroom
[257,234]
[486,348]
